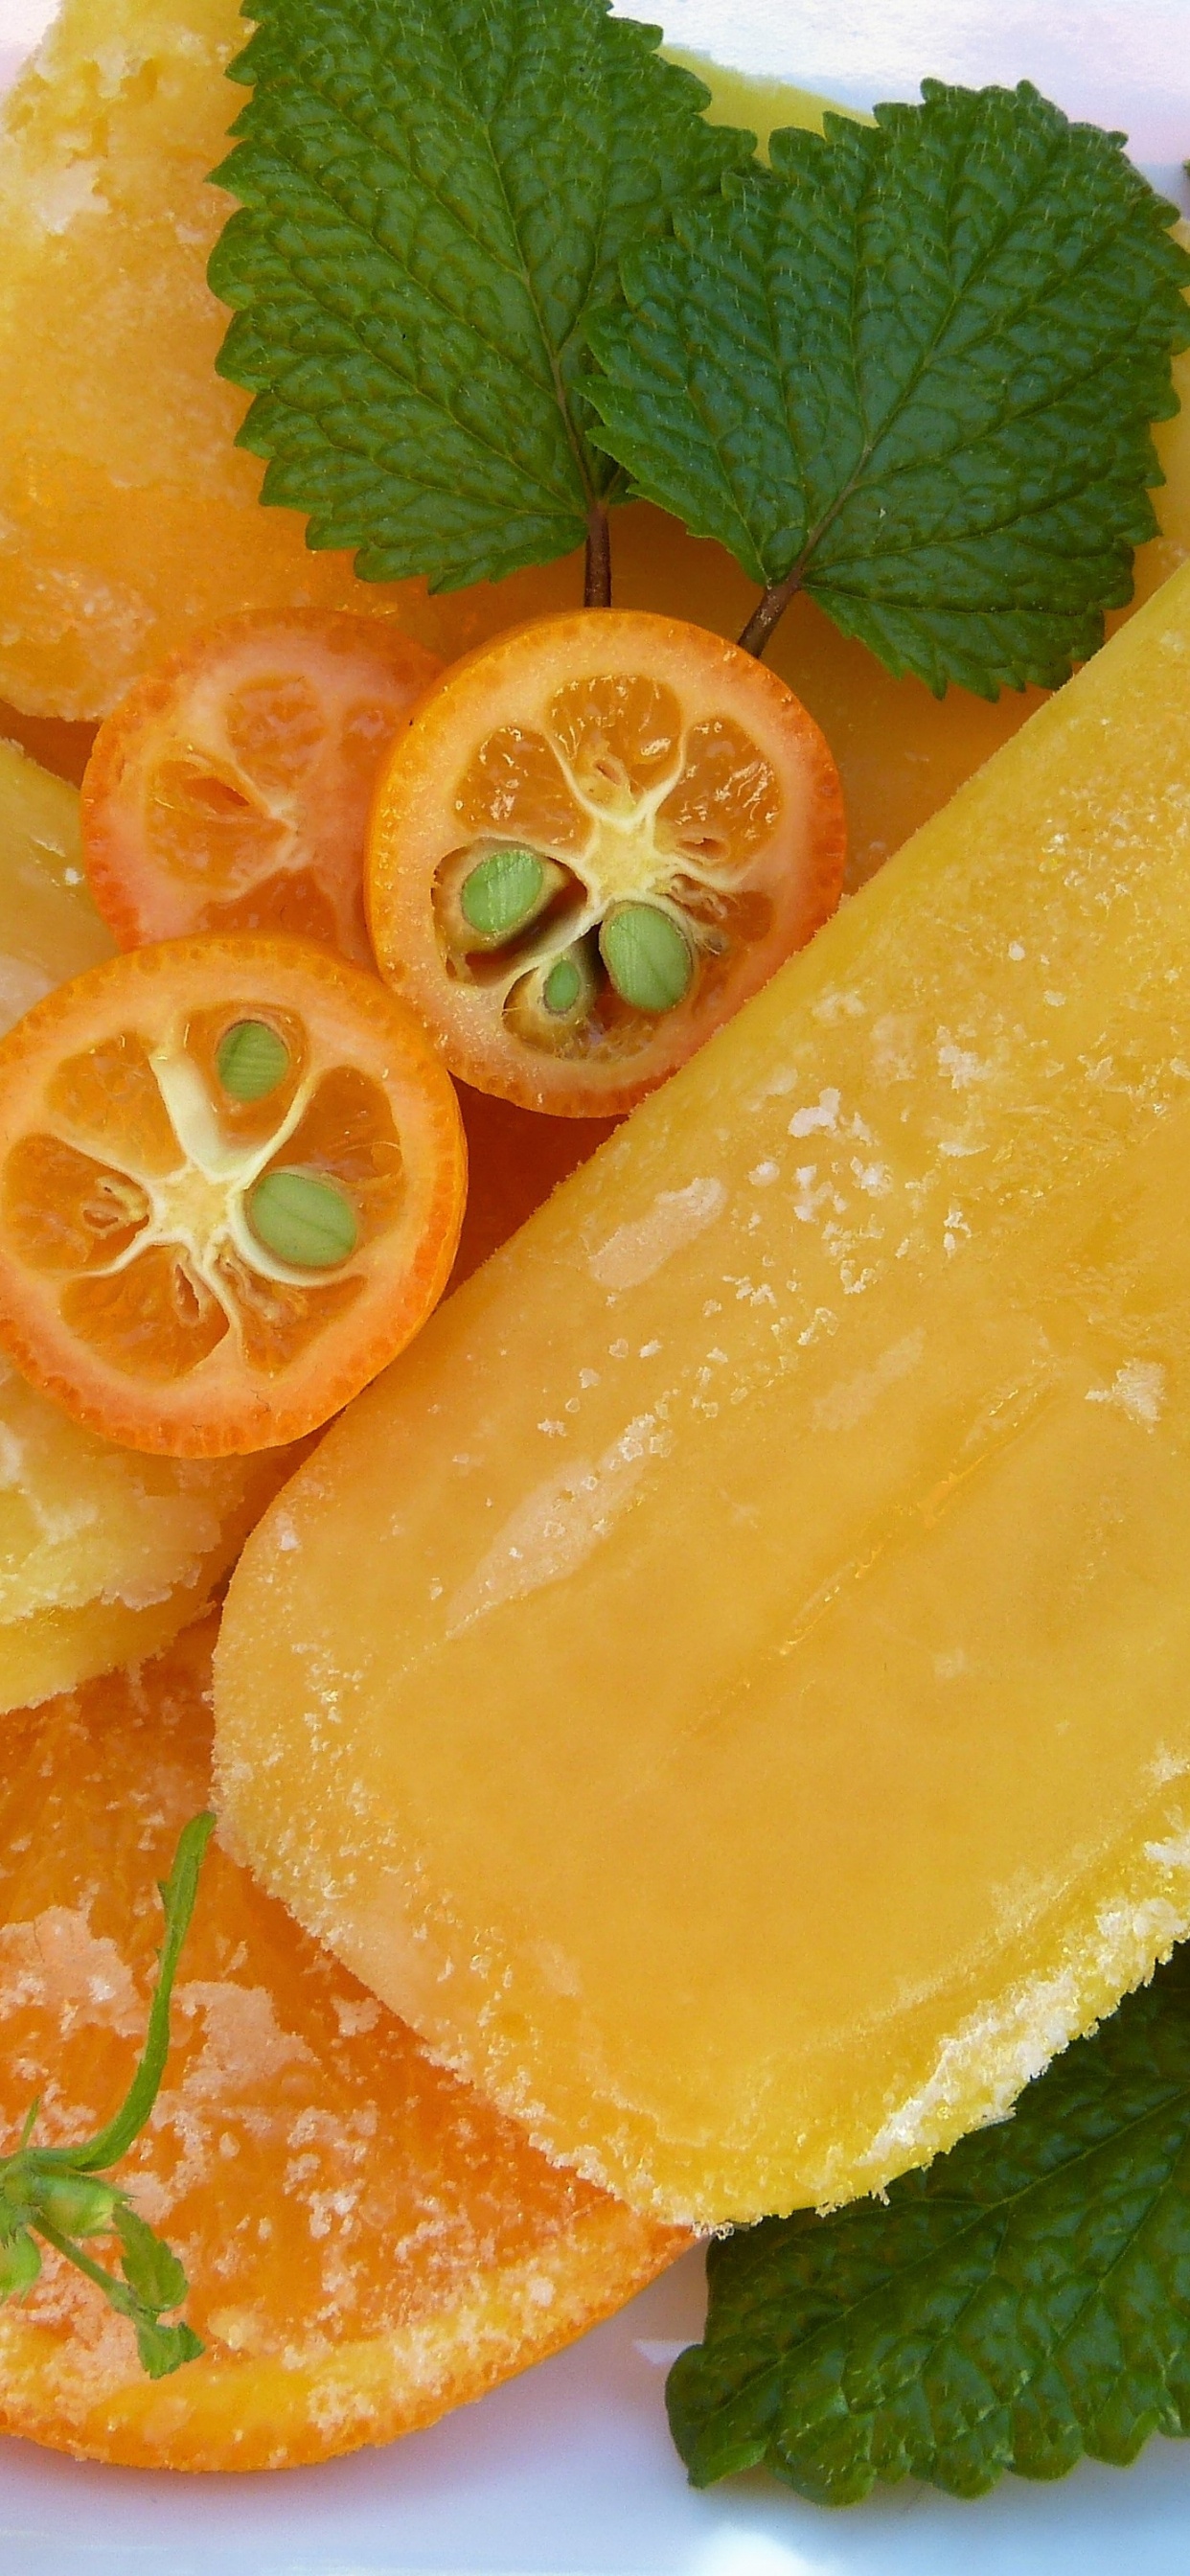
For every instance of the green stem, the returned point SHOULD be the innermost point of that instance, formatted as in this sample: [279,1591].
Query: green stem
[597,586]
[769,609]
[117,2293]
[177,1897]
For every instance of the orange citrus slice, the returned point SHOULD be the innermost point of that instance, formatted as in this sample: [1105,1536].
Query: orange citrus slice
[231,1181]
[597,837]
[230,789]
[367,2242]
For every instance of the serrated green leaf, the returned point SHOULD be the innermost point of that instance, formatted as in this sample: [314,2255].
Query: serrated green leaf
[149,2266]
[435,196]
[1024,2301]
[912,370]
[177,1894]
[164,2349]
[20,2265]
[53,2190]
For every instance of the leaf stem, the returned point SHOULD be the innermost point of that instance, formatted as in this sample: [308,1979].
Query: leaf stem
[118,2295]
[597,586]
[177,1897]
[769,609]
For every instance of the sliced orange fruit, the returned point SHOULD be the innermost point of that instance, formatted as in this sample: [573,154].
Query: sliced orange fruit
[597,837]
[104,1554]
[367,2242]
[230,789]
[231,1180]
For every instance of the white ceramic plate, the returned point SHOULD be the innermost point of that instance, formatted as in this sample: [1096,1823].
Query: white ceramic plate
[569,2471]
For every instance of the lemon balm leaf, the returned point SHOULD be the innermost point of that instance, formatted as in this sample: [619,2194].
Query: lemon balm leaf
[1023,2302]
[150,2267]
[912,371]
[54,2193]
[177,1894]
[434,197]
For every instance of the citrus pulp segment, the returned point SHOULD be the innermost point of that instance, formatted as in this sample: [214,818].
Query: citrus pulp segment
[367,2243]
[598,835]
[773,1742]
[230,789]
[103,1554]
[191,1266]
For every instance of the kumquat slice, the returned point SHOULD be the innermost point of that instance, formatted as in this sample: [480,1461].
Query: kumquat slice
[232,1174]
[597,837]
[230,789]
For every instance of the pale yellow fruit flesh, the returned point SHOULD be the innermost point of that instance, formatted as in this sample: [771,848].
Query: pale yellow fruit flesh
[49,928]
[103,1554]
[130,515]
[727,1685]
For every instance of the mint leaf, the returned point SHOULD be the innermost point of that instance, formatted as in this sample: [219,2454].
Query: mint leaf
[151,2268]
[177,1894]
[52,2192]
[20,2264]
[912,372]
[1023,2301]
[163,2349]
[435,196]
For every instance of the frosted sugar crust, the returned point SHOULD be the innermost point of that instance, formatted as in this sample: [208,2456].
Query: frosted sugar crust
[366,2243]
[844,1538]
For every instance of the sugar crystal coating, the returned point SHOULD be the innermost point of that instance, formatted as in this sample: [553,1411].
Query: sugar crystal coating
[726,1686]
[367,2242]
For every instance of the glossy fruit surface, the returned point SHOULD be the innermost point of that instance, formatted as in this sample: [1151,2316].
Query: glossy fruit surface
[515,1160]
[774,1741]
[599,834]
[231,1180]
[230,789]
[367,2242]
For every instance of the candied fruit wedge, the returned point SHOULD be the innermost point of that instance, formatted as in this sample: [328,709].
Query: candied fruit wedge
[367,2243]
[129,516]
[49,928]
[727,1685]
[103,1554]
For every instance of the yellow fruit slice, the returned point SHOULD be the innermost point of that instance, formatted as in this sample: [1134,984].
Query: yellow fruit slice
[129,502]
[103,1555]
[727,1687]
[49,928]
[136,516]
[367,2243]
